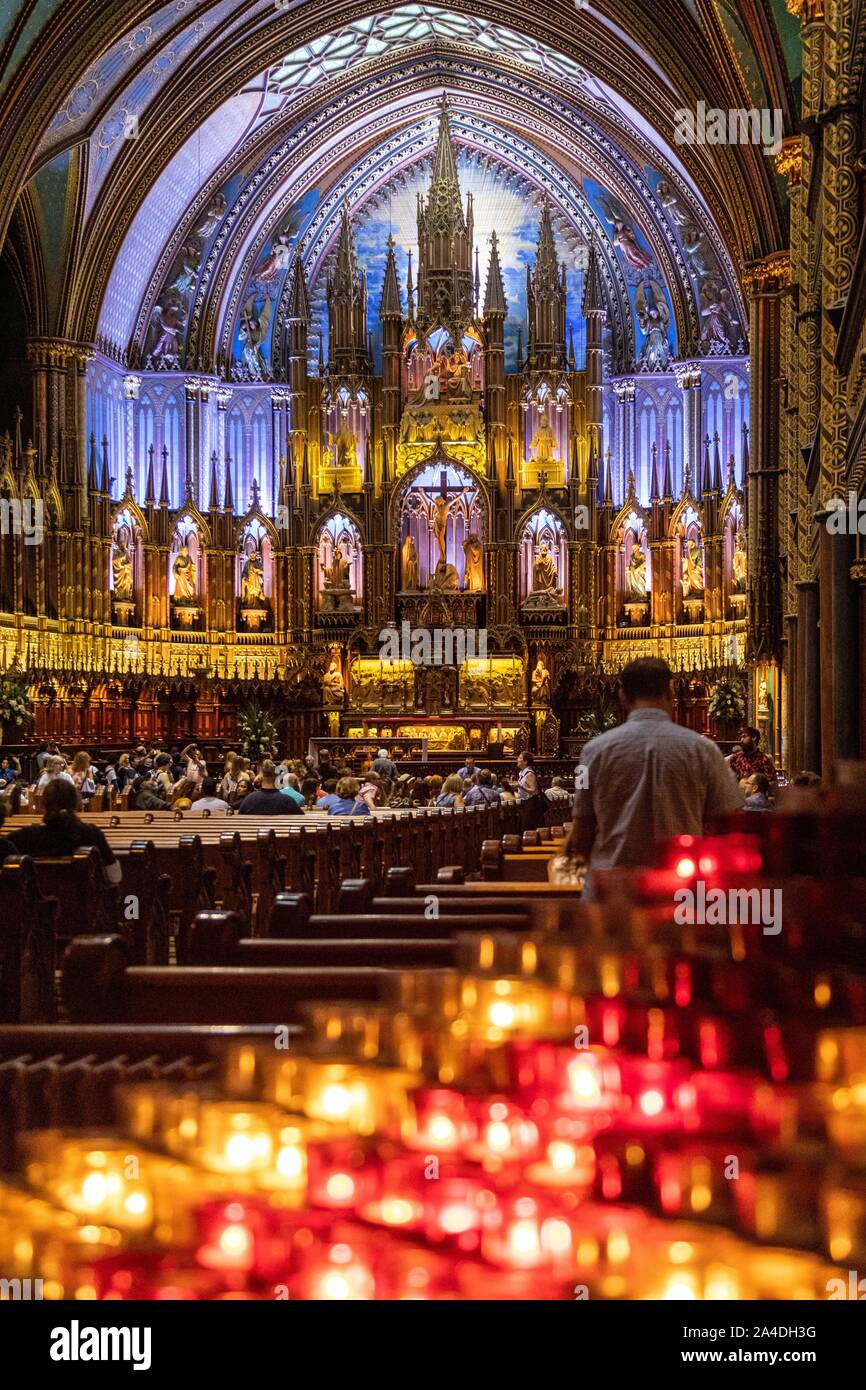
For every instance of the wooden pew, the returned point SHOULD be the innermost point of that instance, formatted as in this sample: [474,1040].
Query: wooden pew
[217,939]
[27,944]
[100,985]
[145,903]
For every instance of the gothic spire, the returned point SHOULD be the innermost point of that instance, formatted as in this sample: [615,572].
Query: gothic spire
[494,297]
[105,485]
[593,298]
[213,504]
[546,277]
[443,199]
[228,499]
[149,493]
[92,480]
[668,484]
[163,488]
[717,464]
[299,304]
[390,305]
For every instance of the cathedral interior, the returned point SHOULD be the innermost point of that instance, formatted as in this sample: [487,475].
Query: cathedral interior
[331,325]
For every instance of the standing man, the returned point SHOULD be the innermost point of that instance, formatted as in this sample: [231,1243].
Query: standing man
[533,805]
[646,780]
[383,766]
[469,769]
[750,759]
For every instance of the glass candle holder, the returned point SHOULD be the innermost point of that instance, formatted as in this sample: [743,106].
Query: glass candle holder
[397,1203]
[242,1236]
[840,1055]
[691,1181]
[505,1133]
[440,1121]
[99,1178]
[356,1100]
[340,1272]
[456,1199]
[780,1205]
[500,1008]
[528,1231]
[843,1219]
[238,1138]
[846,1124]
[340,1174]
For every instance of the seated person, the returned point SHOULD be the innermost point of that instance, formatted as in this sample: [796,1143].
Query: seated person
[290,788]
[145,795]
[9,769]
[267,800]
[757,790]
[346,800]
[209,801]
[243,787]
[62,832]
[310,792]
[557,791]
[483,793]
[54,768]
[452,792]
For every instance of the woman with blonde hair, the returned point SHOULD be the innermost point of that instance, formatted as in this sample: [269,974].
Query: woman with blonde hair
[54,768]
[234,766]
[452,792]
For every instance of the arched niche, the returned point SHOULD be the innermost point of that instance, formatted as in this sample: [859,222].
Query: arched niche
[186,573]
[441,524]
[735,554]
[438,369]
[254,577]
[543,558]
[690,561]
[634,561]
[338,568]
[125,568]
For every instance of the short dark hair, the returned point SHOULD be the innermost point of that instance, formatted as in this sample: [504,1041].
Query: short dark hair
[647,678]
[753,733]
[208,786]
[60,798]
[485,777]
[762,783]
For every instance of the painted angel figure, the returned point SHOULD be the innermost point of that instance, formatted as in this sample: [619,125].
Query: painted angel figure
[212,216]
[718,320]
[653,316]
[624,237]
[166,323]
[253,333]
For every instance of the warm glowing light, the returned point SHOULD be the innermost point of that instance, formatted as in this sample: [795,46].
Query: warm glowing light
[502,1015]
[686,868]
[442,1131]
[584,1081]
[235,1241]
[563,1157]
[456,1218]
[397,1212]
[340,1187]
[652,1103]
[336,1102]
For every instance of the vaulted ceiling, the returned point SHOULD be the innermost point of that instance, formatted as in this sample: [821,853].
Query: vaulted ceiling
[142,137]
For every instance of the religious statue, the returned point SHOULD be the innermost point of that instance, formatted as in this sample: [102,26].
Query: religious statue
[253,579]
[183,570]
[333,687]
[441,511]
[411,572]
[473,569]
[544,441]
[445,578]
[763,700]
[345,446]
[635,574]
[624,237]
[540,684]
[337,572]
[121,569]
[739,561]
[544,576]
[458,385]
[692,569]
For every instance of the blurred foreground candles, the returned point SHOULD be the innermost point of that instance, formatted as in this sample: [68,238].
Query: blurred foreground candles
[102,1179]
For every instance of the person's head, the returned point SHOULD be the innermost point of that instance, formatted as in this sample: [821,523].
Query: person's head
[524,760]
[123,760]
[647,683]
[330,786]
[162,760]
[757,783]
[452,785]
[55,766]
[181,803]
[309,787]
[806,779]
[292,781]
[81,762]
[189,752]
[749,738]
[434,782]
[470,762]
[373,778]
[347,787]
[208,786]
[485,777]
[60,800]
[558,782]
[309,762]
[382,753]
[268,773]
[182,790]
[244,784]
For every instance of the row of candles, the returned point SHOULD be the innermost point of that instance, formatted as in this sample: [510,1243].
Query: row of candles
[553,1180]
[629,1112]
